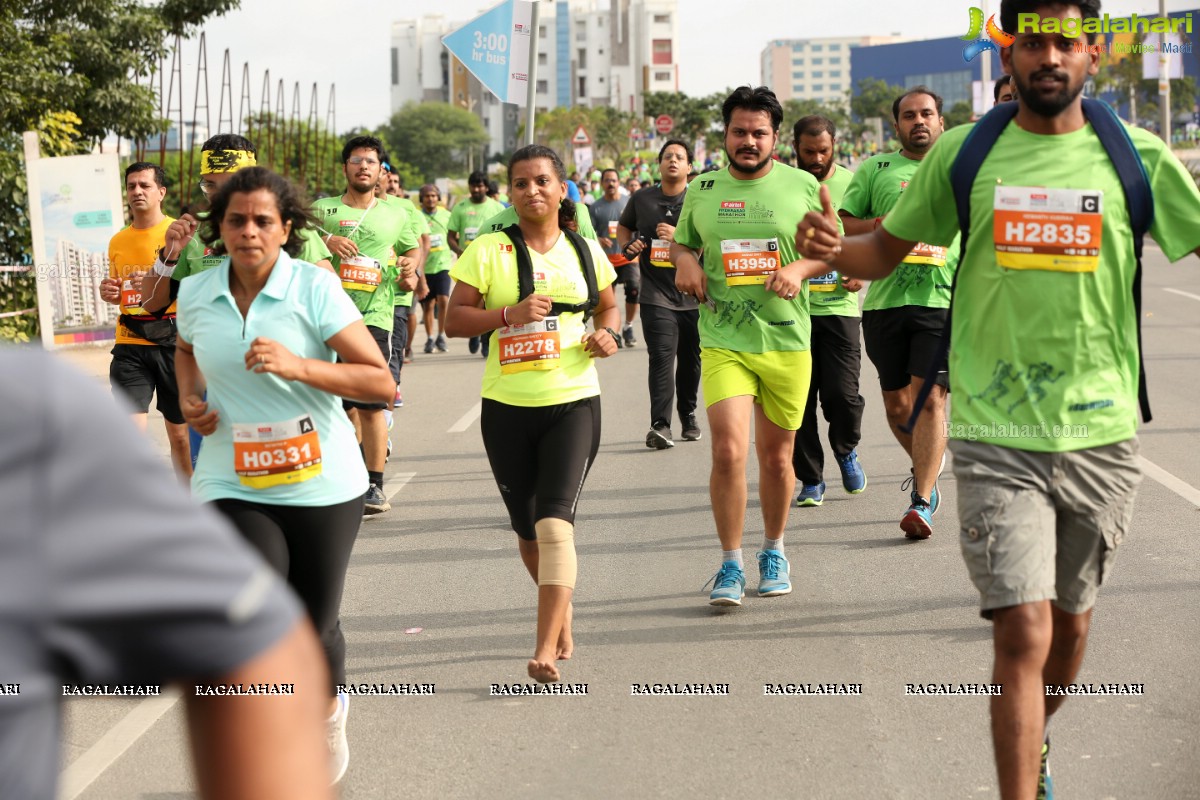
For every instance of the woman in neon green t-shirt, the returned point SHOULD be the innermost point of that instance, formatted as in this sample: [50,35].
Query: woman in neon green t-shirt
[541,394]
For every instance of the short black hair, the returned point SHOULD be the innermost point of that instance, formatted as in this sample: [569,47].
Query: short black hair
[759,98]
[607,170]
[293,206]
[937,100]
[493,188]
[363,143]
[686,148]
[1010,9]
[160,175]
[477,178]
[530,152]
[429,187]
[1001,82]
[814,125]
[230,141]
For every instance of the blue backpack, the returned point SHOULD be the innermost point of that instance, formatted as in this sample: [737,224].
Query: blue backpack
[1138,198]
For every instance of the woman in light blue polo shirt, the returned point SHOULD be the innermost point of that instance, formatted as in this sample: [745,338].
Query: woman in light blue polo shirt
[260,333]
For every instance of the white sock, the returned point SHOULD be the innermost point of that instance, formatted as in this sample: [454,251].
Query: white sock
[732,555]
[773,544]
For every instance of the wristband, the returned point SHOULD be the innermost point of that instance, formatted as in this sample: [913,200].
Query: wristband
[163,268]
[327,237]
[504,315]
[616,338]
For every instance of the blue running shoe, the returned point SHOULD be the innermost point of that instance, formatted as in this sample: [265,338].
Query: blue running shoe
[854,480]
[774,575]
[935,497]
[918,520]
[1045,785]
[729,585]
[811,495]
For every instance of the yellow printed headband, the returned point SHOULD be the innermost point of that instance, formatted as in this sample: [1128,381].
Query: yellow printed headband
[220,161]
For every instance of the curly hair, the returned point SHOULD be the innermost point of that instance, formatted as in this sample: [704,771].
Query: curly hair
[292,205]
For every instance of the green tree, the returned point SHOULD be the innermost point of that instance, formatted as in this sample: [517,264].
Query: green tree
[436,138]
[874,98]
[76,59]
[958,114]
[796,109]
[694,117]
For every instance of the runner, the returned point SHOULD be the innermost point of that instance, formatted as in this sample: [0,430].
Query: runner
[259,334]
[754,333]
[904,314]
[669,317]
[541,393]
[606,216]
[466,221]
[836,347]
[437,267]
[1004,90]
[363,233]
[1044,343]
[143,358]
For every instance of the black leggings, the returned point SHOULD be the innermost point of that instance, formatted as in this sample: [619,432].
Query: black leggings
[310,547]
[540,457]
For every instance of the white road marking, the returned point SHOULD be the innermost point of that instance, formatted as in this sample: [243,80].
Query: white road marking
[468,419]
[1185,490]
[398,482]
[84,770]
[1182,293]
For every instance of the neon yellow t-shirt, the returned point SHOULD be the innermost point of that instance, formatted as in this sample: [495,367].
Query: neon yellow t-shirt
[490,265]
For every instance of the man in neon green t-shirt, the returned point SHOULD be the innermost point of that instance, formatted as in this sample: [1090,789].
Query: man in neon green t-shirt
[905,313]
[1044,363]
[836,348]
[437,267]
[754,328]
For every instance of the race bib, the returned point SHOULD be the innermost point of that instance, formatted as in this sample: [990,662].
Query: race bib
[470,233]
[534,345]
[612,229]
[274,453]
[749,261]
[437,242]
[131,300]
[1058,230]
[825,283]
[660,253]
[927,254]
[360,274]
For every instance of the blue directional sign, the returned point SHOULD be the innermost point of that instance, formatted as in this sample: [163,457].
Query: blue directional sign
[495,48]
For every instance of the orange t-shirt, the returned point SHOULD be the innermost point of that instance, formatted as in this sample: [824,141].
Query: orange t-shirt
[130,251]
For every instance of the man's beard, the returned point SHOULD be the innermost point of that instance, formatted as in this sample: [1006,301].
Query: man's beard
[1039,103]
[733,164]
[824,173]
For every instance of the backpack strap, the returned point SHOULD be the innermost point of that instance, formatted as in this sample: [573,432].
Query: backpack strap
[525,272]
[966,166]
[1139,199]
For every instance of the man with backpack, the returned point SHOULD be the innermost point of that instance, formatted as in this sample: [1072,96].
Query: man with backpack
[1053,194]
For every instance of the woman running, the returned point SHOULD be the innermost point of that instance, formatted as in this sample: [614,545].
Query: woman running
[535,284]
[260,333]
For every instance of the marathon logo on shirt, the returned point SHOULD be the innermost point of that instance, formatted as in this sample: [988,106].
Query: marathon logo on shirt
[739,211]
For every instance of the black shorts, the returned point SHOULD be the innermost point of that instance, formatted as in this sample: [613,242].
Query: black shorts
[630,276]
[439,285]
[540,457]
[384,340]
[140,371]
[902,341]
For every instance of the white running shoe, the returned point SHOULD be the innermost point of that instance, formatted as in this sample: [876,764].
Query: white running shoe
[339,748]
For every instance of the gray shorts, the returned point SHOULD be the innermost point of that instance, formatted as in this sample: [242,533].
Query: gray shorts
[1043,526]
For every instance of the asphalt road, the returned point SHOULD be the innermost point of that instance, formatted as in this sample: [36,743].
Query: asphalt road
[436,594]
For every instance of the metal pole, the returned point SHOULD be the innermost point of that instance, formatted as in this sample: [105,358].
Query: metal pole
[531,90]
[1164,80]
[985,68]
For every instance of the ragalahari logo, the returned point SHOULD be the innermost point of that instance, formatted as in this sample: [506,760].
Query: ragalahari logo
[996,37]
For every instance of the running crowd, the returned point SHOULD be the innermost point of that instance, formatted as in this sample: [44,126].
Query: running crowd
[277,330]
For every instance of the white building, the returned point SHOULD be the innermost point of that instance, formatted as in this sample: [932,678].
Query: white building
[590,52]
[813,69]
[75,287]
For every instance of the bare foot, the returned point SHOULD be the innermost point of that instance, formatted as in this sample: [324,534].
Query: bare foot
[566,644]
[543,671]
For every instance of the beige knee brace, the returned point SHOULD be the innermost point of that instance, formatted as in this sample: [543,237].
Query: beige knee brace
[556,552]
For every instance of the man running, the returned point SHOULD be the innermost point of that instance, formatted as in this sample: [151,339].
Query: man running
[467,218]
[1044,341]
[836,348]
[606,216]
[904,314]
[669,317]
[143,358]
[363,232]
[754,333]
[437,267]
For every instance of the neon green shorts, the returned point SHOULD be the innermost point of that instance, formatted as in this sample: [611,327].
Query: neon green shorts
[778,381]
